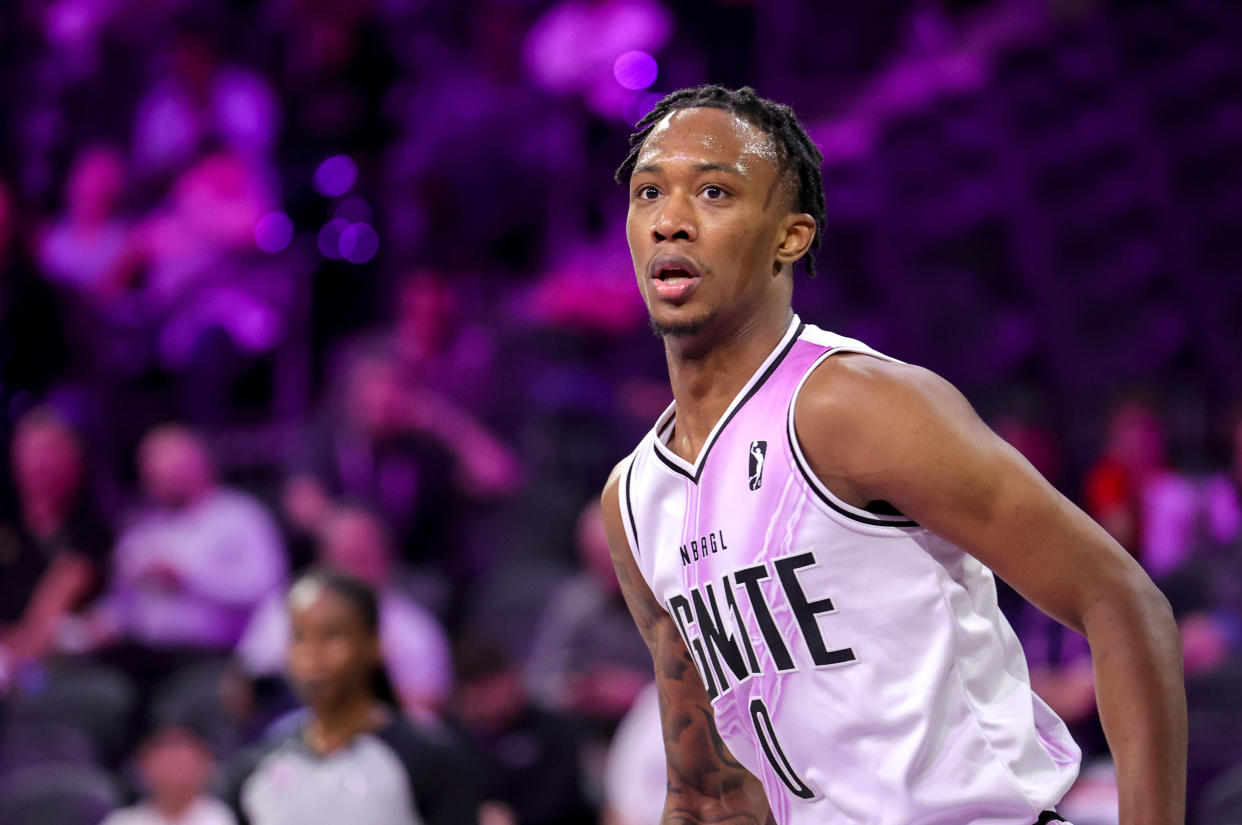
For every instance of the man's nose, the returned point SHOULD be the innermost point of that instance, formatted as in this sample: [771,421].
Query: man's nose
[674,222]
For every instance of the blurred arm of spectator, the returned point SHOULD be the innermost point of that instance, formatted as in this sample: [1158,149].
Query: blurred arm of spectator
[486,467]
[244,560]
[66,582]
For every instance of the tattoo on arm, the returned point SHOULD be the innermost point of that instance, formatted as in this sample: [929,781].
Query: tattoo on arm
[706,784]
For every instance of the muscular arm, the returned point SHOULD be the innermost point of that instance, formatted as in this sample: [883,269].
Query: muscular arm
[705,783]
[875,430]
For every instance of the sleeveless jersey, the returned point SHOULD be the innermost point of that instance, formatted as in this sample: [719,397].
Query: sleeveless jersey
[857,664]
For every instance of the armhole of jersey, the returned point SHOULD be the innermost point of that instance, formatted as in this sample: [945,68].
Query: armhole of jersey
[627,506]
[821,491]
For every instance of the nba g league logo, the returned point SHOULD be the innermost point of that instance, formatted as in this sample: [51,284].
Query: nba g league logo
[758,452]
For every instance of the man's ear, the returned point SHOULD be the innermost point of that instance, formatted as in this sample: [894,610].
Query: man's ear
[797,233]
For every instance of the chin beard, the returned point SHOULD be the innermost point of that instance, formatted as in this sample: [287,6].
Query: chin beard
[684,329]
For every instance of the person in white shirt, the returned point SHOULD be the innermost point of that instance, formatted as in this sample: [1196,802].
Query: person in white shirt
[189,572]
[174,764]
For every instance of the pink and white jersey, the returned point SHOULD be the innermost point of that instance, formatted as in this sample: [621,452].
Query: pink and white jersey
[857,663]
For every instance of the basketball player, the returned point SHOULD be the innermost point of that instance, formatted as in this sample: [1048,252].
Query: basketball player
[807,537]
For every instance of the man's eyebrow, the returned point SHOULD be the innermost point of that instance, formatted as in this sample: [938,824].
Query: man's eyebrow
[727,168]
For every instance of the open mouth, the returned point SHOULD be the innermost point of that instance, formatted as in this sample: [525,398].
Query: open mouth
[674,279]
[673,276]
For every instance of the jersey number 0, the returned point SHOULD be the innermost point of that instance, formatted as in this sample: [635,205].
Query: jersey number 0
[762,721]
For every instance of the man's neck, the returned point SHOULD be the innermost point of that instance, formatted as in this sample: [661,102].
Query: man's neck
[706,380]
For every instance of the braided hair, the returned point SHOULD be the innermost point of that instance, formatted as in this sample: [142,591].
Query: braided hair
[800,160]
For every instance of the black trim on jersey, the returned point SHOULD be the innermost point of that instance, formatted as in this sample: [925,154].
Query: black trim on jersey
[701,462]
[882,508]
[1048,816]
[629,506]
[664,427]
[813,483]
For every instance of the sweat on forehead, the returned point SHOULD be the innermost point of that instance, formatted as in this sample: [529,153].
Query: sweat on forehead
[715,134]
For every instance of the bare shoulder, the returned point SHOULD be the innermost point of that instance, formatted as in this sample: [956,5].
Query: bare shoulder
[857,413]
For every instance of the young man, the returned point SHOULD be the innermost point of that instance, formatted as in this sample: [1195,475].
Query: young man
[806,538]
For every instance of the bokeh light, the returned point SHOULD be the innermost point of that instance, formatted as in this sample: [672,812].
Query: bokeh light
[635,70]
[330,238]
[336,176]
[273,232]
[358,243]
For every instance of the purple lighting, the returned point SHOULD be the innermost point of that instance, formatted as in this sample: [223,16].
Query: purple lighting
[635,70]
[330,238]
[335,176]
[358,243]
[273,232]
[638,105]
[354,210]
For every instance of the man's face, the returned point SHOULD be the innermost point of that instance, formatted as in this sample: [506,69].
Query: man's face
[174,466]
[706,217]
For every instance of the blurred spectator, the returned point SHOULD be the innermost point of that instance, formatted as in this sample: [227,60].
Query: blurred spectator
[587,658]
[89,247]
[439,350]
[352,758]
[53,545]
[354,542]
[526,758]
[1134,493]
[411,454]
[190,571]
[174,766]
[1168,516]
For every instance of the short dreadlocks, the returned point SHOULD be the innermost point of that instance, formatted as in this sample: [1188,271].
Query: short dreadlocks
[799,157]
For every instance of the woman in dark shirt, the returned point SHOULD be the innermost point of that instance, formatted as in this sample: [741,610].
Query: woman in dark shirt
[353,759]
[52,544]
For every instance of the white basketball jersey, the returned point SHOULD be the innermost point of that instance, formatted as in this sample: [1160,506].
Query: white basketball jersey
[856,663]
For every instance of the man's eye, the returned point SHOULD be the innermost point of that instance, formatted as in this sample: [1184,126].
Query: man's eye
[648,193]
[713,193]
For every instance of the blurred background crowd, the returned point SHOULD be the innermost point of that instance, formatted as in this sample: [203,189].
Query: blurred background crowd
[343,284]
